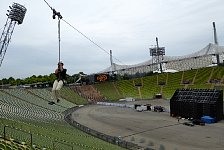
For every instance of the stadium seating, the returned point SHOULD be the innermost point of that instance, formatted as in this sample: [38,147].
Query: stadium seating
[53,135]
[127,88]
[162,78]
[45,95]
[35,100]
[217,75]
[150,87]
[23,115]
[11,145]
[72,96]
[109,90]
[203,75]
[150,84]
[189,76]
[89,93]
[173,83]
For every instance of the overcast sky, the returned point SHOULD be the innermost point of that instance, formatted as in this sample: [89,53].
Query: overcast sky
[128,27]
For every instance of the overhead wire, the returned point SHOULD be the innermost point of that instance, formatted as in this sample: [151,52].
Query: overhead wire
[90,40]
[100,47]
[48,5]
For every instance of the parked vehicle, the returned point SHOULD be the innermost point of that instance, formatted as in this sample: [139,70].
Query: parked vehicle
[158,108]
[188,124]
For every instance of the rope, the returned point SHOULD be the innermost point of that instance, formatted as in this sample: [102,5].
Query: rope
[59,41]
[55,13]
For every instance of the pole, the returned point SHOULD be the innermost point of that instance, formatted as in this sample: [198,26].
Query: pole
[158,54]
[4,132]
[216,42]
[53,145]
[58,14]
[59,41]
[215,34]
[111,62]
[31,139]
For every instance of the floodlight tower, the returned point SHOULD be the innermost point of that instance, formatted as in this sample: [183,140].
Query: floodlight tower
[15,15]
[157,55]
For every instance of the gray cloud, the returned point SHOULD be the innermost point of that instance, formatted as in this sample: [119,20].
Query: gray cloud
[128,27]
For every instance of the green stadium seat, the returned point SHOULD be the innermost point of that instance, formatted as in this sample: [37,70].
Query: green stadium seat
[20,148]
[2,146]
[8,147]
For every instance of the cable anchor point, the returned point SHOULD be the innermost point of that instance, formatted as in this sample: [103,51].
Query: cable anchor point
[55,13]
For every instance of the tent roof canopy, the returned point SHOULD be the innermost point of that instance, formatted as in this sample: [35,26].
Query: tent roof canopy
[210,49]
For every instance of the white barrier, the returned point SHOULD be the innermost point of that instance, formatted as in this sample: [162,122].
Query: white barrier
[141,108]
[115,104]
[128,99]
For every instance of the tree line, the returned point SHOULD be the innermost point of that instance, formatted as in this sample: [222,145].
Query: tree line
[88,79]
[38,79]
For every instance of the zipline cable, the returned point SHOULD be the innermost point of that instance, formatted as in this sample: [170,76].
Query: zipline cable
[90,40]
[48,5]
[100,47]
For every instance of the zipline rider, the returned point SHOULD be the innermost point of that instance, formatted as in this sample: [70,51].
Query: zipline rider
[60,73]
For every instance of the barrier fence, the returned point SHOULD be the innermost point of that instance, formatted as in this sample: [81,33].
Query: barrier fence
[31,140]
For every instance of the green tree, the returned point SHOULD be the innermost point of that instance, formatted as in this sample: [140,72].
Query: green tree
[40,78]
[11,80]
[5,81]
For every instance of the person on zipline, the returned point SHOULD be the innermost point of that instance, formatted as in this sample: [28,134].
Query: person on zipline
[60,73]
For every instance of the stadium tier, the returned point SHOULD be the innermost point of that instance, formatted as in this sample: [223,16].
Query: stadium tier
[71,96]
[110,90]
[150,87]
[11,145]
[25,113]
[166,83]
[173,82]
[189,76]
[88,92]
[127,88]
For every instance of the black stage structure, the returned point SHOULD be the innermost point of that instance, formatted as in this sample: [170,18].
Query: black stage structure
[196,103]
